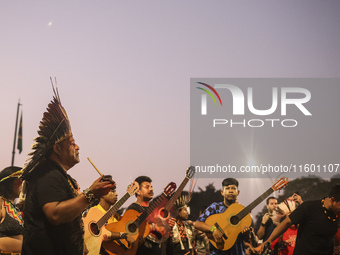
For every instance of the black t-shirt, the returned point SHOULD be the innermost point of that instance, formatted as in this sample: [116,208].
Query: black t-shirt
[316,231]
[50,183]
[269,227]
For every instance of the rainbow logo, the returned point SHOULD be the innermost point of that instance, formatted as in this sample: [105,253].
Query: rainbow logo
[204,97]
[213,90]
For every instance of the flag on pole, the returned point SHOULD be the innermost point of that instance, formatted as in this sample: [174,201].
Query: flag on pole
[19,147]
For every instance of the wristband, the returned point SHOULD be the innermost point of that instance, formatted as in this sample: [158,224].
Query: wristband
[212,229]
[122,235]
[263,225]
[89,195]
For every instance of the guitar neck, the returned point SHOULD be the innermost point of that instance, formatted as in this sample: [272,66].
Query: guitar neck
[173,199]
[255,203]
[149,210]
[101,222]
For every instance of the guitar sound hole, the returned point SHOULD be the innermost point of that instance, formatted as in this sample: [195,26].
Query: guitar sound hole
[234,220]
[132,228]
[164,213]
[94,228]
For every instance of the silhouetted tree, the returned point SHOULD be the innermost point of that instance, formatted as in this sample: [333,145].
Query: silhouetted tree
[202,199]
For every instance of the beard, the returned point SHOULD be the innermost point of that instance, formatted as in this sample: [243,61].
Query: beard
[149,197]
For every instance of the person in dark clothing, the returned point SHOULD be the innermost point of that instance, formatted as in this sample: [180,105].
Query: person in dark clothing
[143,197]
[317,225]
[53,202]
[134,222]
[264,225]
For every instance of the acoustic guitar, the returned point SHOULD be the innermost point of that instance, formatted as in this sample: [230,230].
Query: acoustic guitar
[231,222]
[163,212]
[95,220]
[135,225]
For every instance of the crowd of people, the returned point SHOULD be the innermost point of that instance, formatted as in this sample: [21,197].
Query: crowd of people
[50,215]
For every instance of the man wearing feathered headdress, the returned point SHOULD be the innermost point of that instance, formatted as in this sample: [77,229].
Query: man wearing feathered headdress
[181,240]
[53,203]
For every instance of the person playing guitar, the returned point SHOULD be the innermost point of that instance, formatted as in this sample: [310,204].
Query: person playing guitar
[227,222]
[134,221]
[99,215]
[161,215]
[229,192]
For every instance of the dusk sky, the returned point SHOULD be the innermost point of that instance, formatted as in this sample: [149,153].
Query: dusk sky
[124,67]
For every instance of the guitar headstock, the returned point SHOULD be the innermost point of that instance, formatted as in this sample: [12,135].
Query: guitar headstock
[132,188]
[190,172]
[280,183]
[169,189]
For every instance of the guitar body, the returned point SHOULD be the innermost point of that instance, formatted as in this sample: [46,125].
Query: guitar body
[229,223]
[162,213]
[126,225]
[159,218]
[162,230]
[92,240]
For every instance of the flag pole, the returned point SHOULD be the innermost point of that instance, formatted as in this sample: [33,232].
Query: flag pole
[15,133]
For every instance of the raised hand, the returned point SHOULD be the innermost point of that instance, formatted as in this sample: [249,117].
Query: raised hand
[100,188]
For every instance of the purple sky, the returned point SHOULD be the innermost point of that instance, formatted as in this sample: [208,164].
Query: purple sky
[124,69]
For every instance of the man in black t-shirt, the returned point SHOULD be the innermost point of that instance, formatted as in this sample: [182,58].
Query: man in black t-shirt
[53,202]
[264,225]
[143,197]
[317,225]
